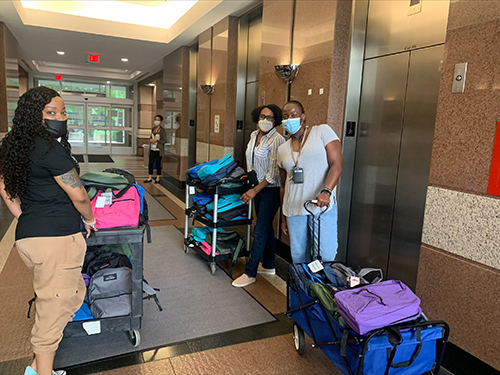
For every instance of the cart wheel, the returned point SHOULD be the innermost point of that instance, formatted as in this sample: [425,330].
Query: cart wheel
[134,337]
[299,339]
[186,249]
[212,268]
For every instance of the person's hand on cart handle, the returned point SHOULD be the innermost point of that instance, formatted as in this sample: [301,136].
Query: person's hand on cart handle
[248,196]
[89,225]
[322,200]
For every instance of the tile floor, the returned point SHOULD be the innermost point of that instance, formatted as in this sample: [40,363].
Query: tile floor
[266,349]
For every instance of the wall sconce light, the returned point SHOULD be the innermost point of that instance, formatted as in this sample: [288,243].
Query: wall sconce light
[286,72]
[207,89]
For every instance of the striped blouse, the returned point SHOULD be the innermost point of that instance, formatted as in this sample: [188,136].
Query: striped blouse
[264,160]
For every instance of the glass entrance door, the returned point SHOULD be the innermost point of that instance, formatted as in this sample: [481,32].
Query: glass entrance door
[98,130]
[77,128]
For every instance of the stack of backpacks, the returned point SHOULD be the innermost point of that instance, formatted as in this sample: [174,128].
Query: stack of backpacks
[229,207]
[224,172]
[107,272]
[227,241]
[125,205]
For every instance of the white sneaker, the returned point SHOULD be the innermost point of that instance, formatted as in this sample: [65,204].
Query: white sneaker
[266,271]
[30,371]
[242,281]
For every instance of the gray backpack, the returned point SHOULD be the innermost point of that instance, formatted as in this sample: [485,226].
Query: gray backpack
[366,275]
[110,292]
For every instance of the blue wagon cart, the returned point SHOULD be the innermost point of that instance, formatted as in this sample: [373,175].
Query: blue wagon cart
[420,350]
[411,348]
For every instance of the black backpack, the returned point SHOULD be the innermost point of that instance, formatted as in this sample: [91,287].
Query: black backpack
[96,259]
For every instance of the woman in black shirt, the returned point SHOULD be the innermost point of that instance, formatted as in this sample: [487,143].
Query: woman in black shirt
[42,189]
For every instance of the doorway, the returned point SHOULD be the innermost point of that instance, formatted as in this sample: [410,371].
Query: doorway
[100,129]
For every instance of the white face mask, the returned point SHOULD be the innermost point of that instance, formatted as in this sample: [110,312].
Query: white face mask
[157,122]
[265,125]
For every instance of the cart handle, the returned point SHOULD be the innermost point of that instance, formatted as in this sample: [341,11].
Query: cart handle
[315,201]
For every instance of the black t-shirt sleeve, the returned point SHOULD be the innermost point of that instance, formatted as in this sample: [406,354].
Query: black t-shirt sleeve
[57,161]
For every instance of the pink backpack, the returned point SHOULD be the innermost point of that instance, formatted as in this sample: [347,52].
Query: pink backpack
[122,212]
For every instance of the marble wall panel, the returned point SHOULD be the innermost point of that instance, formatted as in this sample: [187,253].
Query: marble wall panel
[469,12]
[313,76]
[9,74]
[466,123]
[464,294]
[464,224]
[313,30]
[219,77]
[277,19]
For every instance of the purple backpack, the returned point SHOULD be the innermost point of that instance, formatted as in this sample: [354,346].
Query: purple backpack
[371,307]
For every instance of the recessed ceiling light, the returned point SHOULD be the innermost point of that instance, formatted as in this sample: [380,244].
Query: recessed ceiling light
[60,52]
[152,84]
[108,81]
[124,59]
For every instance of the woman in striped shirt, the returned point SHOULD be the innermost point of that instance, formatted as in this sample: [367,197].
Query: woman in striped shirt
[261,156]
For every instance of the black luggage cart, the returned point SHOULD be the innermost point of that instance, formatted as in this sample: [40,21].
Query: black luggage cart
[217,191]
[130,323]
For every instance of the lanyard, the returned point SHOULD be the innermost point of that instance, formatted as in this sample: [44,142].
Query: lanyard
[304,136]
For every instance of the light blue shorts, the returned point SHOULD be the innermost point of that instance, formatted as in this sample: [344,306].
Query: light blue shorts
[301,236]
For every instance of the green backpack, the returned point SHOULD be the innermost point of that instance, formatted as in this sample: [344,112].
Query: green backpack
[104,181]
[325,295]
[228,242]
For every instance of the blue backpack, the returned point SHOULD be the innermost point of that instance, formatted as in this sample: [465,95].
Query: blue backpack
[211,169]
[220,174]
[193,172]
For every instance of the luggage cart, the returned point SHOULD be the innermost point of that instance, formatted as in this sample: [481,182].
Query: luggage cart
[130,323]
[420,351]
[217,191]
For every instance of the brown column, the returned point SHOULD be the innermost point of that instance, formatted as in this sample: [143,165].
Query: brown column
[459,271]
[3,80]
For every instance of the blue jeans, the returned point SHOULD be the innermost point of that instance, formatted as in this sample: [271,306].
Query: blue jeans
[300,237]
[266,203]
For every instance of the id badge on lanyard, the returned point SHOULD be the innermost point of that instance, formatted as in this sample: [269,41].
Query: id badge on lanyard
[298,172]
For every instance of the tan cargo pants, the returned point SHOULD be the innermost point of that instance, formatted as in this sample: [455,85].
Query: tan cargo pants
[56,264]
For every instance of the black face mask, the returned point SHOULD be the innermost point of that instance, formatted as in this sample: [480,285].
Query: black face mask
[56,127]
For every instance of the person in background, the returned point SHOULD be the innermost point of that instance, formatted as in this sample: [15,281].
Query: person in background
[156,148]
[310,165]
[261,157]
[42,189]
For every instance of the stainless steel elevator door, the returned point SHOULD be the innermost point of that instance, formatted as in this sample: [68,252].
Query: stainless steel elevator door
[377,157]
[396,127]
[414,162]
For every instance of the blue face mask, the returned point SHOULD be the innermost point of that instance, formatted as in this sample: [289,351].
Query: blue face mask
[292,125]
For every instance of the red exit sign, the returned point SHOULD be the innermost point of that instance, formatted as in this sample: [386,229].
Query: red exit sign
[93,59]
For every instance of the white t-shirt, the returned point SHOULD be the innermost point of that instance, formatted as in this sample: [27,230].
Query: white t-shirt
[314,162]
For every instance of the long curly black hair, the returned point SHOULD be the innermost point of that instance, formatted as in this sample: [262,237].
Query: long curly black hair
[16,147]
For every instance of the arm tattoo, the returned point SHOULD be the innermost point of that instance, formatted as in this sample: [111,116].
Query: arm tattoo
[71,179]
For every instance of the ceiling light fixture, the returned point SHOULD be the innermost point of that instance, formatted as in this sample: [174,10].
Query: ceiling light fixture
[60,52]
[152,84]
[108,81]
[124,59]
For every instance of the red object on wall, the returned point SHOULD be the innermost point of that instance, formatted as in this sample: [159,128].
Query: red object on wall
[58,77]
[494,184]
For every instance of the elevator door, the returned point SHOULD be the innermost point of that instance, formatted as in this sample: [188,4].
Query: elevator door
[396,125]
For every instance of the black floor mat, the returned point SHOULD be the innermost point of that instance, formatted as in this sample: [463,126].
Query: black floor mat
[79,158]
[100,159]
